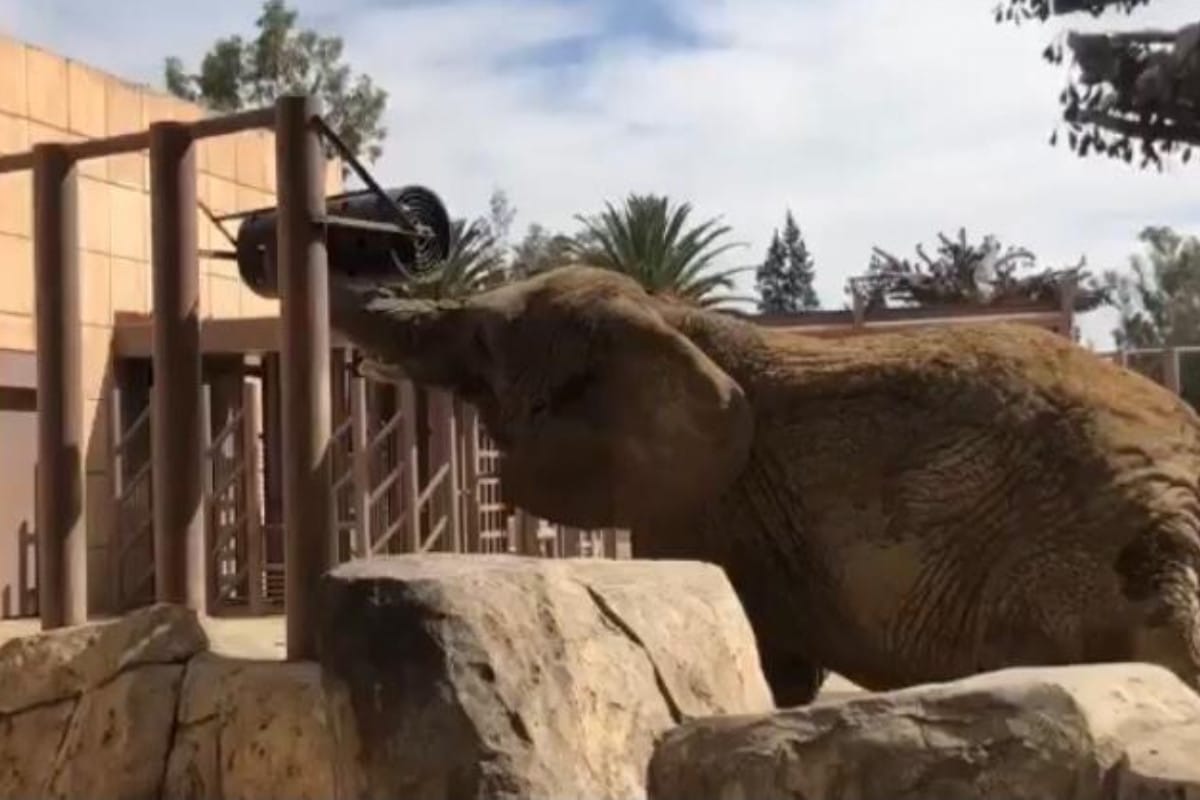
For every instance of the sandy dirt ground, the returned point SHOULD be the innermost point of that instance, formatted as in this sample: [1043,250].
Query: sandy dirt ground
[264,638]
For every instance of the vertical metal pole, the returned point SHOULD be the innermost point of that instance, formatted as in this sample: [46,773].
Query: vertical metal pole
[571,540]
[251,427]
[116,436]
[1170,357]
[361,465]
[411,478]
[208,556]
[610,542]
[304,297]
[62,541]
[471,513]
[443,447]
[527,533]
[177,441]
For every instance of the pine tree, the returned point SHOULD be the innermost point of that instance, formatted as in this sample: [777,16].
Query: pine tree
[785,278]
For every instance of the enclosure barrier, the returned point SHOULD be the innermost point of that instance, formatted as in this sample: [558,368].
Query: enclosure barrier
[177,448]
[189,491]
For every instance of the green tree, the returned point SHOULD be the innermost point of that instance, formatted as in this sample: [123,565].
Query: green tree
[1158,298]
[785,278]
[238,73]
[963,273]
[649,238]
[540,250]
[1129,92]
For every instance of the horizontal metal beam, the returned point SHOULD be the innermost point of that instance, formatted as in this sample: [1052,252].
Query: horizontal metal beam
[140,140]
[133,336]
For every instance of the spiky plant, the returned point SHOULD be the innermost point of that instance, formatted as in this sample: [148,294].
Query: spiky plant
[473,263]
[649,239]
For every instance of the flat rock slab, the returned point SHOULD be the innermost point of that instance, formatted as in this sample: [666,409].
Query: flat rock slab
[251,729]
[504,677]
[1022,734]
[1164,765]
[66,662]
[88,711]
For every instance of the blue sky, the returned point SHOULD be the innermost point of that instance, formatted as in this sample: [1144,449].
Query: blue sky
[877,122]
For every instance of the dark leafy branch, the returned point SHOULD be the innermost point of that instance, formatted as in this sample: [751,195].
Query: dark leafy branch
[963,273]
[1042,10]
[1129,94]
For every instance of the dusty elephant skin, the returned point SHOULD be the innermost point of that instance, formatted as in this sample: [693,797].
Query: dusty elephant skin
[900,508]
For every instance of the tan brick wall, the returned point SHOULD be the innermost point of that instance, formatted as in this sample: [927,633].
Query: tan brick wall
[45,97]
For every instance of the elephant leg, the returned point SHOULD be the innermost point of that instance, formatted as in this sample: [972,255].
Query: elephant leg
[794,680]
[1169,634]
[1163,582]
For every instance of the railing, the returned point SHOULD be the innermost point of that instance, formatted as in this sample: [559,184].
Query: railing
[232,503]
[1163,365]
[132,545]
[27,601]
[384,438]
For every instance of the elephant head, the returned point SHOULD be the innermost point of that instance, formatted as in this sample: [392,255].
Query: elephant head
[605,414]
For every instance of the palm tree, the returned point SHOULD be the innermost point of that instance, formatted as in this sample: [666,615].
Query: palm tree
[473,263]
[649,240]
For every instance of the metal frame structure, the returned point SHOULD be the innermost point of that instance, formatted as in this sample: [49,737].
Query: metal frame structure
[189,452]
[178,448]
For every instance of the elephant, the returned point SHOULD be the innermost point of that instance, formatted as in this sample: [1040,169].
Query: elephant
[899,507]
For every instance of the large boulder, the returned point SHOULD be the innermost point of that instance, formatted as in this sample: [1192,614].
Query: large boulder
[250,729]
[88,711]
[1081,732]
[505,677]
[66,662]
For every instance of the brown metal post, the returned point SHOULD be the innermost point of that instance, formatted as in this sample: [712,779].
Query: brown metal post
[361,467]
[527,533]
[116,435]
[572,540]
[62,540]
[304,298]
[1171,380]
[410,488]
[208,489]
[251,429]
[610,542]
[471,513]
[176,442]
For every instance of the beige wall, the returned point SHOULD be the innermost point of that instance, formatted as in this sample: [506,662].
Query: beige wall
[45,97]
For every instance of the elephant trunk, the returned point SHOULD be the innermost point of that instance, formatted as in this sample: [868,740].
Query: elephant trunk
[414,337]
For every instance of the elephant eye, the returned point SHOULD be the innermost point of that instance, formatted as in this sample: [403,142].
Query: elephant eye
[539,407]
[572,389]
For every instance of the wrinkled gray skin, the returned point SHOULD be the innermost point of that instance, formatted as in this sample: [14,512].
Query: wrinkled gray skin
[898,508]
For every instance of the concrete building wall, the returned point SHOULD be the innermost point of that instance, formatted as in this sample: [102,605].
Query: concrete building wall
[46,97]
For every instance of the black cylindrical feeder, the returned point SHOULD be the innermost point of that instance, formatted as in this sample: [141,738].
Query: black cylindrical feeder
[365,239]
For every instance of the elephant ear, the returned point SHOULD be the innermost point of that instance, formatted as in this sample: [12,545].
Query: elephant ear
[633,425]
[606,415]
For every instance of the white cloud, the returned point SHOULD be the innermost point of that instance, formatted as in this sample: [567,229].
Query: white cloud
[877,122]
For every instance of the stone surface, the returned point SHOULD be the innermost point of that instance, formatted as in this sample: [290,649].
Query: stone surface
[1164,765]
[1020,734]
[504,677]
[117,743]
[28,742]
[251,729]
[64,663]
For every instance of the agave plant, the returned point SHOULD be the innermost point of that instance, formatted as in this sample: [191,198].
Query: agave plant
[649,239]
[473,263]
